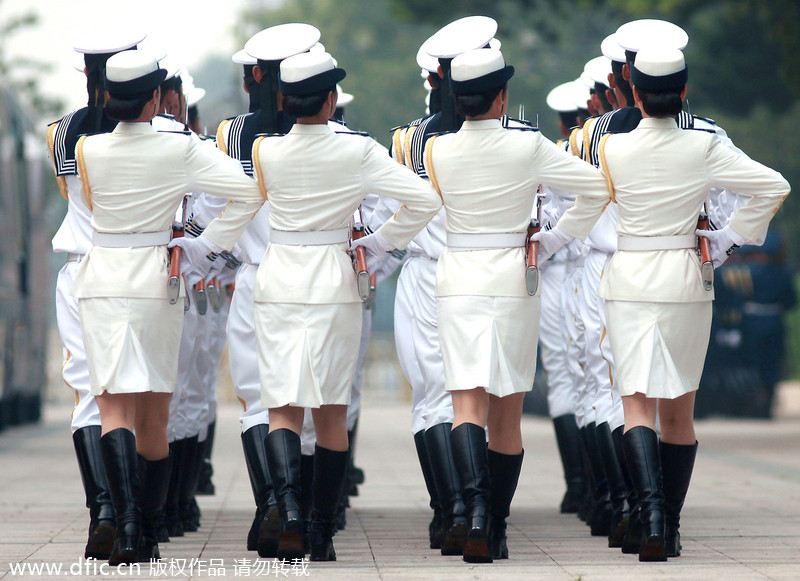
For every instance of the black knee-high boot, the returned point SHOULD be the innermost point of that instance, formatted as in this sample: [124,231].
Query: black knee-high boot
[330,472]
[102,521]
[617,491]
[644,463]
[568,439]
[188,510]
[469,456]
[435,532]
[438,441]
[119,457]
[633,535]
[283,460]
[677,464]
[600,519]
[154,477]
[255,458]
[503,475]
[172,518]
[204,485]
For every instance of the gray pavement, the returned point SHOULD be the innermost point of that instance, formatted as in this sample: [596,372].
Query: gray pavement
[741,520]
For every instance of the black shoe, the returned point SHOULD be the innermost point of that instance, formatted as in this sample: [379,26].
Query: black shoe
[102,521]
[120,461]
[283,460]
[504,472]
[569,448]
[154,476]
[435,532]
[644,463]
[469,455]
[448,488]
[330,472]
[677,464]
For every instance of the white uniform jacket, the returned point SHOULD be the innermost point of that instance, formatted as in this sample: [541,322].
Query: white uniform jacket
[314,179]
[489,176]
[660,177]
[137,177]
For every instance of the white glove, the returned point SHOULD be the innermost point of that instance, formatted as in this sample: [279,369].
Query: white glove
[376,246]
[196,261]
[550,242]
[722,243]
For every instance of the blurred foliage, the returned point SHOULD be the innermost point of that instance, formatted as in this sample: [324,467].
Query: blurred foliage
[23,75]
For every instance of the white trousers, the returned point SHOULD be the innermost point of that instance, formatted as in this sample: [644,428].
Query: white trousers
[74,370]
[417,340]
[575,339]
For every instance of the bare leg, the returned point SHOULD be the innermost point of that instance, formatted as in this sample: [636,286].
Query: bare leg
[470,406]
[286,417]
[505,415]
[152,415]
[330,423]
[677,419]
[640,410]
[117,410]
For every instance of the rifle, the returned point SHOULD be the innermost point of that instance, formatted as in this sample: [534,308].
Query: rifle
[174,281]
[532,250]
[200,296]
[704,248]
[212,289]
[360,258]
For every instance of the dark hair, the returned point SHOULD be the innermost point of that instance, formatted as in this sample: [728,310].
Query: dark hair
[569,118]
[657,103]
[600,90]
[623,85]
[305,105]
[127,108]
[478,103]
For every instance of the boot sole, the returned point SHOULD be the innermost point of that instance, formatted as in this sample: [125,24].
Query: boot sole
[455,539]
[653,549]
[291,543]
[269,535]
[476,549]
[101,543]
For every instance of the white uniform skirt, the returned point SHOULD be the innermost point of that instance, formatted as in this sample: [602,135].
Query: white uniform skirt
[659,348]
[307,354]
[131,344]
[489,342]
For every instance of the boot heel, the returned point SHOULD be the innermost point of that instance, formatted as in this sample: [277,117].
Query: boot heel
[476,549]
[291,544]
[653,549]
[455,538]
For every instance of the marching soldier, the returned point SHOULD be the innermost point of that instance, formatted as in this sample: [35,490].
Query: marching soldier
[659,344]
[130,328]
[75,238]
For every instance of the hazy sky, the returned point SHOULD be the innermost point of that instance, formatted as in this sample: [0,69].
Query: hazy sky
[191,29]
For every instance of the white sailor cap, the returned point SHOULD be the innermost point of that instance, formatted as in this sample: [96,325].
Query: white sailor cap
[611,48]
[343,99]
[560,98]
[133,72]
[108,40]
[242,58]
[318,47]
[634,36]
[598,69]
[308,73]
[659,69]
[586,80]
[170,64]
[427,62]
[580,94]
[194,95]
[478,71]
[282,41]
[462,35]
[78,63]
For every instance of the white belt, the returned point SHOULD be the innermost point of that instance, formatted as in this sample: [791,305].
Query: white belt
[74,257]
[137,240]
[459,242]
[642,243]
[309,238]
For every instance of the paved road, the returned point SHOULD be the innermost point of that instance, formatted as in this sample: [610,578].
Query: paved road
[741,522]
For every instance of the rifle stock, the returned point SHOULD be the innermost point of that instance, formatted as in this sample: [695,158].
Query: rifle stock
[704,246]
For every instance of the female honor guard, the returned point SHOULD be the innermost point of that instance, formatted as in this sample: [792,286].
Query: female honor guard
[133,179]
[307,307]
[488,323]
[657,308]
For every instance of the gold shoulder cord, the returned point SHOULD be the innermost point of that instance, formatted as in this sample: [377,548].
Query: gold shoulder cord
[407,151]
[604,165]
[573,142]
[51,145]
[87,192]
[220,140]
[429,164]
[587,141]
[257,167]
[397,146]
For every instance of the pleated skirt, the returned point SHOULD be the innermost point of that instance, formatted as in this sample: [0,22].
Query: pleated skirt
[489,342]
[307,354]
[659,348]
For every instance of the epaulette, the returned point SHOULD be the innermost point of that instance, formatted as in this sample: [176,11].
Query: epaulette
[361,133]
[526,125]
[176,132]
[166,116]
[710,124]
[269,135]
[523,128]
[438,133]
[392,130]
[706,119]
[207,137]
